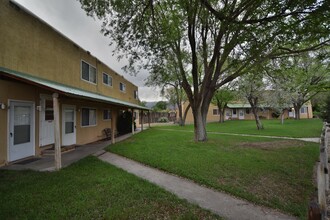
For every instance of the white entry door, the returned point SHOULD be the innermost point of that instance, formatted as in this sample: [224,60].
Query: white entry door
[68,125]
[227,116]
[241,114]
[291,113]
[46,130]
[234,113]
[21,130]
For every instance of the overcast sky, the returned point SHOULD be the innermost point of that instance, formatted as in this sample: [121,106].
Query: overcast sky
[67,17]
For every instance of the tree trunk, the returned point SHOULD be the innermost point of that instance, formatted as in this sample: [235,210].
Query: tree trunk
[221,115]
[254,103]
[297,111]
[199,124]
[223,112]
[181,123]
[256,116]
[282,117]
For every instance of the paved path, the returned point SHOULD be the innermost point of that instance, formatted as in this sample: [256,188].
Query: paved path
[315,140]
[220,203]
[47,162]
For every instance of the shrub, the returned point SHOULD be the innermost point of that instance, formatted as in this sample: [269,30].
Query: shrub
[276,114]
[163,120]
[325,114]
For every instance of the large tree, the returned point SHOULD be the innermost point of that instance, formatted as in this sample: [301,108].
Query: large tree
[160,106]
[221,98]
[177,97]
[253,88]
[302,77]
[166,75]
[223,39]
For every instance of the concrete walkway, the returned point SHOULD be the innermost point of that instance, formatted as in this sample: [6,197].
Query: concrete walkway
[47,162]
[314,140]
[220,203]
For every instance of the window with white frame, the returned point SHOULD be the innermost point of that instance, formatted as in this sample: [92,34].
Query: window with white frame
[106,114]
[122,87]
[215,111]
[88,117]
[303,110]
[88,72]
[136,96]
[107,79]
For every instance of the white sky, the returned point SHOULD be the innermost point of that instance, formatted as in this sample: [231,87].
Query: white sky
[67,17]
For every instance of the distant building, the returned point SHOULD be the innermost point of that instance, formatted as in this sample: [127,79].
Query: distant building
[242,111]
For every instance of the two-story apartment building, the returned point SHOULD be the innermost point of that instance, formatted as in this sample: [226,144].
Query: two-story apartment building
[39,67]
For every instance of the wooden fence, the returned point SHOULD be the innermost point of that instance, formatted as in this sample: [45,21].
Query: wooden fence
[323,174]
[155,116]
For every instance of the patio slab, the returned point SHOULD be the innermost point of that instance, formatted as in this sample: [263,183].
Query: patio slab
[47,162]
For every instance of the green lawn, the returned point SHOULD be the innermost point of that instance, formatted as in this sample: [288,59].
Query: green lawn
[272,172]
[89,189]
[290,128]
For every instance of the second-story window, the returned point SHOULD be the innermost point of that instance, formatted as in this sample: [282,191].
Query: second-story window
[122,87]
[107,80]
[88,72]
[136,96]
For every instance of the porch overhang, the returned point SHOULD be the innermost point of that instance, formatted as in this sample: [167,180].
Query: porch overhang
[238,105]
[244,105]
[67,90]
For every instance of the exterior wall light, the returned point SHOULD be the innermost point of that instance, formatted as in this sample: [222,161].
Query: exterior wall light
[2,106]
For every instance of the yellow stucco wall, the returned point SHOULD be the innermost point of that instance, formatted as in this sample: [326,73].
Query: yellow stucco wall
[30,46]
[87,134]
[267,114]
[83,134]
[19,94]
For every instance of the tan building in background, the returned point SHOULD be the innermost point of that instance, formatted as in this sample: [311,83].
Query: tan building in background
[37,63]
[242,111]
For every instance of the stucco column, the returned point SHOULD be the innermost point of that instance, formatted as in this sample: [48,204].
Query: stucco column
[149,118]
[113,125]
[133,121]
[141,120]
[57,135]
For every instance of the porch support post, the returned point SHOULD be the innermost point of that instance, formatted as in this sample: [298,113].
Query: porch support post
[133,121]
[58,160]
[149,118]
[141,120]
[113,126]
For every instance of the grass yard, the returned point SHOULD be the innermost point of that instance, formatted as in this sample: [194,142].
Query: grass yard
[89,189]
[290,128]
[272,172]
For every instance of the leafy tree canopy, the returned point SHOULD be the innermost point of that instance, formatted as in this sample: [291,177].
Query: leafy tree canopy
[212,41]
[160,106]
[301,77]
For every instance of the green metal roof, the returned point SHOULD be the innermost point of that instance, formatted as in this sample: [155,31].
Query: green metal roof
[238,105]
[70,91]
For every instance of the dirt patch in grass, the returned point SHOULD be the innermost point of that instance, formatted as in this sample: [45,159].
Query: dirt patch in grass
[270,188]
[272,144]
